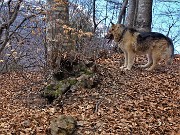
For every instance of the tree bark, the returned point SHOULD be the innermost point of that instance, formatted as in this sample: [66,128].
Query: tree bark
[132,13]
[57,19]
[144,16]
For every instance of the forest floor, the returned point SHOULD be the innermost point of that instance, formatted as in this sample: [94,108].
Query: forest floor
[135,102]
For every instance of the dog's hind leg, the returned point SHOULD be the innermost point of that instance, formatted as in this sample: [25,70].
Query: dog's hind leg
[150,61]
[130,60]
[155,58]
[169,55]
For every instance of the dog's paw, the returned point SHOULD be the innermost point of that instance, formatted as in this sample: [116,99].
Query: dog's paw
[122,67]
[126,69]
[148,69]
[142,66]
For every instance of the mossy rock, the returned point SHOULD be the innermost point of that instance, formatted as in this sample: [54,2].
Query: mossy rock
[72,81]
[63,125]
[53,91]
[87,81]
[87,72]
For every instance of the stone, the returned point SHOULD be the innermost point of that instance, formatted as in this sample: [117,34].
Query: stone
[63,125]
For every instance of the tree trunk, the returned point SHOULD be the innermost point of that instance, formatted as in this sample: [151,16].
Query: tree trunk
[144,15]
[122,12]
[57,39]
[132,13]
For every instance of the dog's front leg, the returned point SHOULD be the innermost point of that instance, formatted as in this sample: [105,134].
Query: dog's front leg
[130,60]
[125,60]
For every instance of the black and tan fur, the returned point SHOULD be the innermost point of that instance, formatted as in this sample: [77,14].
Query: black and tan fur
[155,45]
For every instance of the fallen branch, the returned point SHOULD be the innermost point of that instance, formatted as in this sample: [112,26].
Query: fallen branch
[97,105]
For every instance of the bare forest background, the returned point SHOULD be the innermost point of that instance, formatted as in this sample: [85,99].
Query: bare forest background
[25,35]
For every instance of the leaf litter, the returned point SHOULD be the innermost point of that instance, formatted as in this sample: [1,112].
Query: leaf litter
[135,102]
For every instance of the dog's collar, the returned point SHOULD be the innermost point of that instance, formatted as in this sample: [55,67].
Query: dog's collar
[123,32]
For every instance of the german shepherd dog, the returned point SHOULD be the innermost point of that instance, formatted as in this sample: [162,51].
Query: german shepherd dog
[132,42]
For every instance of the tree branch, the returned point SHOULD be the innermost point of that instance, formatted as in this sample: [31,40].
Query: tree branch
[122,12]
[5,26]
[94,15]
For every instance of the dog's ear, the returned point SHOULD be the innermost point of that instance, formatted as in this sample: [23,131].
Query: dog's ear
[112,23]
[122,25]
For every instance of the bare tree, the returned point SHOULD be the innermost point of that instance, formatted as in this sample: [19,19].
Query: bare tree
[166,20]
[20,46]
[5,25]
[95,23]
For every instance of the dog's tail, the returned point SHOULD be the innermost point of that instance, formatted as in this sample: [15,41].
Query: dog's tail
[171,51]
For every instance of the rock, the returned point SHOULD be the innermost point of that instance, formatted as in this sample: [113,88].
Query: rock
[63,86]
[53,91]
[87,81]
[26,123]
[82,75]
[63,125]
[74,88]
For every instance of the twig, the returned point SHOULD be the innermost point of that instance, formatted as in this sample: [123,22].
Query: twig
[97,105]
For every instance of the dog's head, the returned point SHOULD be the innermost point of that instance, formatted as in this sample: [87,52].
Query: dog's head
[115,31]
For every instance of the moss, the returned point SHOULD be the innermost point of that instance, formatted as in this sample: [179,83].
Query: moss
[52,92]
[72,81]
[68,81]
[49,87]
[59,85]
[82,68]
[88,72]
[57,92]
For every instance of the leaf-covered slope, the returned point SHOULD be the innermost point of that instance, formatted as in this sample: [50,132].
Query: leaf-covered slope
[136,102]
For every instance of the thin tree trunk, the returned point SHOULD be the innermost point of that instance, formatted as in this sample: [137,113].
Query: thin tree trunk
[122,11]
[94,16]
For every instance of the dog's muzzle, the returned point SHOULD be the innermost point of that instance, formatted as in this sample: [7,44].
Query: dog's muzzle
[110,37]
